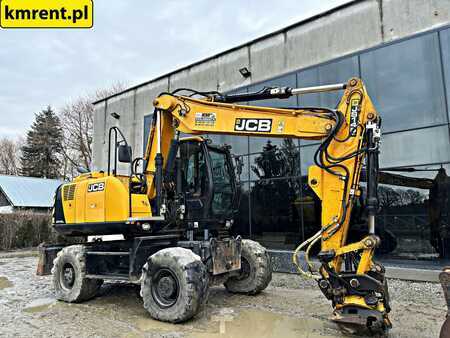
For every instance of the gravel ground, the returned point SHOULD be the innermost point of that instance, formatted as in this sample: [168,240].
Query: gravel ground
[290,307]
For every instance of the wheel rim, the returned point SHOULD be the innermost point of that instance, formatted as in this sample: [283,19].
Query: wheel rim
[165,288]
[67,276]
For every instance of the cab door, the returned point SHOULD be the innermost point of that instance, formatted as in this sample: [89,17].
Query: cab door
[196,178]
[224,201]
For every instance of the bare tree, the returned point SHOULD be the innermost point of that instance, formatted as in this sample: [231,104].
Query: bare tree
[388,197]
[410,196]
[10,156]
[77,119]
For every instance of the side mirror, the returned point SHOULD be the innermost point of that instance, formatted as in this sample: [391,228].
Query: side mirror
[82,170]
[124,153]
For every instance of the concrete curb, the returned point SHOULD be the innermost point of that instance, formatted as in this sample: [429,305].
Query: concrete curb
[412,274]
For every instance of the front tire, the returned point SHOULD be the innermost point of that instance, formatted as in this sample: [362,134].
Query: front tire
[256,270]
[69,271]
[174,285]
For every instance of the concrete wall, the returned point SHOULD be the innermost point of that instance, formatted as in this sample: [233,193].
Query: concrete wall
[345,30]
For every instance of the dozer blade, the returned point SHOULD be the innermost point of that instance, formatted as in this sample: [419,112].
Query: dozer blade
[360,321]
[444,277]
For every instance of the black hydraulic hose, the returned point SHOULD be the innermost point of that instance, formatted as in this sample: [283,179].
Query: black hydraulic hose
[319,161]
[194,92]
[264,94]
[319,152]
[159,161]
[372,175]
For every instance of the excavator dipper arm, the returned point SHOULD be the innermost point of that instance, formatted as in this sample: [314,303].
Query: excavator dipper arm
[350,136]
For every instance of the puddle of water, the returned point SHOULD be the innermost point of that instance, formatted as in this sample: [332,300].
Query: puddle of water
[253,323]
[5,283]
[39,305]
[249,323]
[149,324]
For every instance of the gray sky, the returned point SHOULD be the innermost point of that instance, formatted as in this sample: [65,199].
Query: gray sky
[131,42]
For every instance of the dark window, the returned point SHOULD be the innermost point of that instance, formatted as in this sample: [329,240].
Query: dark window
[243,161]
[415,147]
[239,144]
[147,126]
[194,169]
[241,224]
[405,82]
[275,213]
[414,215]
[307,157]
[222,203]
[276,161]
[308,78]
[445,44]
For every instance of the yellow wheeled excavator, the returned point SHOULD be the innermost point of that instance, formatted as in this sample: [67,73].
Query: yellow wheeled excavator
[176,213]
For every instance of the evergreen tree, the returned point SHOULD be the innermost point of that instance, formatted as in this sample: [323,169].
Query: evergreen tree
[43,147]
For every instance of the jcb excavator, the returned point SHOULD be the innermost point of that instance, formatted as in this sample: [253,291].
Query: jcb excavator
[176,214]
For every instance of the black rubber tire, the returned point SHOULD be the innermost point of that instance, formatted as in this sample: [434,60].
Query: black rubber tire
[256,270]
[83,288]
[192,284]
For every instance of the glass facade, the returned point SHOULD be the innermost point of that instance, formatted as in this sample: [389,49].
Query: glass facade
[409,82]
[405,82]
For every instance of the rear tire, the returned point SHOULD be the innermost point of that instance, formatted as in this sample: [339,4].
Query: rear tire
[256,270]
[174,285]
[69,276]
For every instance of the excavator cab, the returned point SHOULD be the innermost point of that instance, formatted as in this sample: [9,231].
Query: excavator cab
[206,176]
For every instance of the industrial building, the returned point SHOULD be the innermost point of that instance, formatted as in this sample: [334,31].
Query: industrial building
[401,49]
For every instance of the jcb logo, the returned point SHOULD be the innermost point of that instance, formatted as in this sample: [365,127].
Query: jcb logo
[94,187]
[259,125]
[354,117]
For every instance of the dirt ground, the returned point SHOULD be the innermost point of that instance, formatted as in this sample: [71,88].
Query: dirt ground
[290,307]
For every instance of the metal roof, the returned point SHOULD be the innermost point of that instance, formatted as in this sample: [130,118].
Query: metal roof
[29,191]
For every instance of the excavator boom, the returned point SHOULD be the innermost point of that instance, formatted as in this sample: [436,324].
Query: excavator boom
[350,136]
